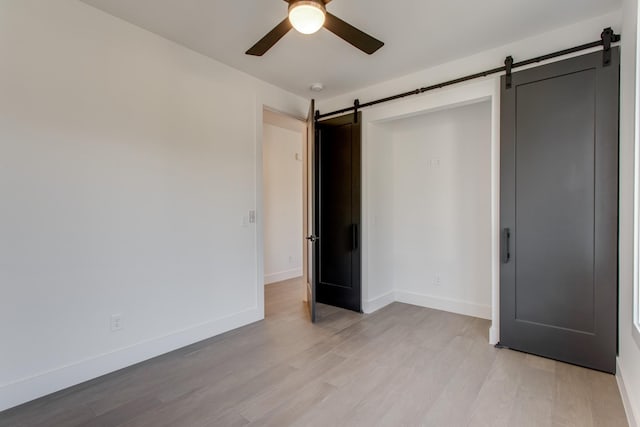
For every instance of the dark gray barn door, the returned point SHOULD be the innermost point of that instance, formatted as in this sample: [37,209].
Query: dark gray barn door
[338,212]
[559,211]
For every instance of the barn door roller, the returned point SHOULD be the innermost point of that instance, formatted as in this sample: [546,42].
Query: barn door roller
[508,64]
[608,37]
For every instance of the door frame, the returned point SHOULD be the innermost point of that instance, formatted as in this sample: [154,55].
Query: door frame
[259,202]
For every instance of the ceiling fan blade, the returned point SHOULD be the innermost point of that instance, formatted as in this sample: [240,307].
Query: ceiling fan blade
[351,34]
[270,39]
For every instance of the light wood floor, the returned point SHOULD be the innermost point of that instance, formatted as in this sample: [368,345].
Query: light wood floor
[401,366]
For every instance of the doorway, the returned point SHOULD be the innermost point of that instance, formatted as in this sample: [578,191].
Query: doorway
[284,169]
[429,200]
[383,283]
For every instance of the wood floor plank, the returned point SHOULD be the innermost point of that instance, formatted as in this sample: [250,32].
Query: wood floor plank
[351,389]
[417,396]
[497,396]
[65,411]
[606,404]
[533,405]
[292,409]
[572,399]
[128,411]
[281,391]
[463,388]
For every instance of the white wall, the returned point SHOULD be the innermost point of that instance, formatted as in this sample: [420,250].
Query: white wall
[629,349]
[378,233]
[127,166]
[282,159]
[441,215]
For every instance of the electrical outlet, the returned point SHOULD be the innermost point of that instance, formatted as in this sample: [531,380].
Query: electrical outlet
[116,322]
[252,217]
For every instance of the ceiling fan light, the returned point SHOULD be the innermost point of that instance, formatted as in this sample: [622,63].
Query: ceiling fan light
[307,16]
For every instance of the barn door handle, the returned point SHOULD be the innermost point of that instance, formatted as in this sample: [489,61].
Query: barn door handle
[507,245]
[354,237]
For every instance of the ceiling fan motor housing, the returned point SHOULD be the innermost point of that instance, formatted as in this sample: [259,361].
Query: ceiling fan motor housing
[314,3]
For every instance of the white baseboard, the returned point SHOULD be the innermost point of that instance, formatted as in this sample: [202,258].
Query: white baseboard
[626,399]
[445,304]
[377,303]
[27,389]
[283,275]
[494,336]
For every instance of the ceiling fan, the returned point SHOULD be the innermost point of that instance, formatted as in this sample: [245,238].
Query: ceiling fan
[308,16]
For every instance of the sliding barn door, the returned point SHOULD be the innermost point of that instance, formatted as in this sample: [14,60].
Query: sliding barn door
[338,209]
[559,211]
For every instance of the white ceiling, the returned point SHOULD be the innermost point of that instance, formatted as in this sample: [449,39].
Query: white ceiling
[418,34]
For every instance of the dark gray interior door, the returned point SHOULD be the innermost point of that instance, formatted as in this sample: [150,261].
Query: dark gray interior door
[559,211]
[338,209]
